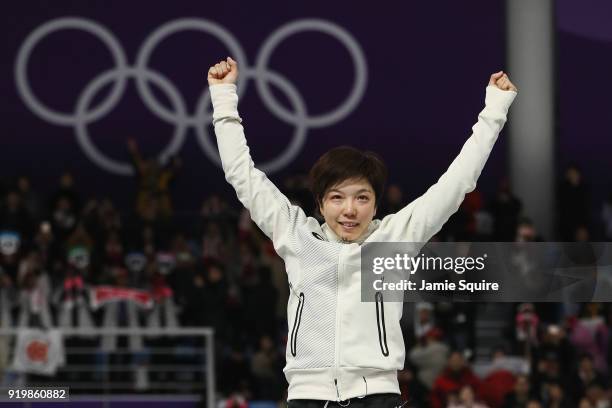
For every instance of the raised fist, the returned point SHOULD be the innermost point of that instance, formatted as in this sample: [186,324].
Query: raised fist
[225,72]
[501,80]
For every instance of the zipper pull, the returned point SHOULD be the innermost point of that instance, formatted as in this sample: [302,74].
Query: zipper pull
[337,391]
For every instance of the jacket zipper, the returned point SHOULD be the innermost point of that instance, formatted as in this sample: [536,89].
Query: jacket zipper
[380,321]
[296,322]
[338,314]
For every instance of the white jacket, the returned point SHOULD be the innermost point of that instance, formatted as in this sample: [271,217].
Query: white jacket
[340,347]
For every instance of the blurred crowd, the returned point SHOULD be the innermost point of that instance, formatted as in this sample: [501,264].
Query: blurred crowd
[220,271]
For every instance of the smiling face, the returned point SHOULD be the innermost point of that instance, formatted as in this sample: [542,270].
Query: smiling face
[348,208]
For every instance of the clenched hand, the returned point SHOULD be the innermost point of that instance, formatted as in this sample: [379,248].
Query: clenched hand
[225,72]
[501,80]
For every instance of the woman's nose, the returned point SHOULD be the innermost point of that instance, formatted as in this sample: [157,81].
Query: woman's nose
[349,208]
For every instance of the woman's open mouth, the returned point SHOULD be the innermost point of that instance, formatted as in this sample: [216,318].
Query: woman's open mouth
[349,226]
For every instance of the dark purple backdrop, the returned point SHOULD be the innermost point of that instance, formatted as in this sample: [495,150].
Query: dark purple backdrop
[428,64]
[584,40]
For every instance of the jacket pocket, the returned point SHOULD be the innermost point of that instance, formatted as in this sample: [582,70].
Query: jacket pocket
[296,324]
[380,323]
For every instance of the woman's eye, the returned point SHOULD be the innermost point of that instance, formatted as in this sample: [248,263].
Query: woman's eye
[364,198]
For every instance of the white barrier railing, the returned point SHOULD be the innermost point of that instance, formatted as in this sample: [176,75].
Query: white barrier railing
[102,374]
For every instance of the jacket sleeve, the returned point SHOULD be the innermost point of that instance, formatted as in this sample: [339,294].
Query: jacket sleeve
[268,207]
[426,215]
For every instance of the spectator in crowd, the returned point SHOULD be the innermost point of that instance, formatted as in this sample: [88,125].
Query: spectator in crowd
[548,371]
[506,209]
[194,303]
[429,356]
[154,180]
[526,328]
[472,222]
[184,269]
[412,390]
[526,231]
[598,397]
[584,376]
[574,197]
[71,300]
[164,313]
[11,249]
[14,216]
[80,250]
[34,294]
[216,210]
[30,198]
[461,225]
[456,320]
[499,376]
[456,375]
[590,335]
[7,298]
[64,207]
[214,243]
[466,399]
[249,259]
[554,342]
[555,396]
[521,394]
[101,218]
[113,251]
[480,224]
[423,319]
[50,250]
[259,305]
[67,191]
[266,367]
[235,369]
[217,302]
[64,218]
[138,267]
[6,321]
[502,361]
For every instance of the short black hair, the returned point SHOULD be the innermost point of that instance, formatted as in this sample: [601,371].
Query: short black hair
[346,163]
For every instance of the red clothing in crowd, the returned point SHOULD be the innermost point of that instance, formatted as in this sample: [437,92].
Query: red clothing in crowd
[451,382]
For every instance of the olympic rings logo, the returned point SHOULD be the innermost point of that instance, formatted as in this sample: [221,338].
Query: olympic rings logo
[84,114]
